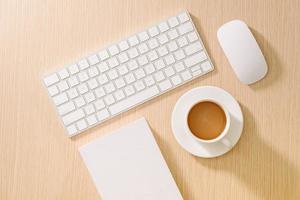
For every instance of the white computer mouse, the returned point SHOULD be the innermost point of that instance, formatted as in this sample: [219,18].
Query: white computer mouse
[242,51]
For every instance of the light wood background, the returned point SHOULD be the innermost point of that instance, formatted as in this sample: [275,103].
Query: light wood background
[37,161]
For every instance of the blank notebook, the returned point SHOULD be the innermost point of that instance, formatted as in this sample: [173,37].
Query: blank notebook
[128,165]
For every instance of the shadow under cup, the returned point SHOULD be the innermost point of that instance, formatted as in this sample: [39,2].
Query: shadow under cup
[206,120]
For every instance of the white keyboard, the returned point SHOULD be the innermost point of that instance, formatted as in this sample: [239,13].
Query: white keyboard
[128,73]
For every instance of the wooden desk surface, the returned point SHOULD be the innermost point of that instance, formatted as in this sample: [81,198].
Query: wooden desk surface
[37,161]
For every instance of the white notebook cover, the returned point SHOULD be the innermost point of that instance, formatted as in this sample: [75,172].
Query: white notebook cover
[128,165]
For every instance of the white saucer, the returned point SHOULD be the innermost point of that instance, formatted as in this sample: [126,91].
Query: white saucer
[187,141]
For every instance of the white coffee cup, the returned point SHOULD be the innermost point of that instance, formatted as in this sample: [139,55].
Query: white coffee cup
[222,136]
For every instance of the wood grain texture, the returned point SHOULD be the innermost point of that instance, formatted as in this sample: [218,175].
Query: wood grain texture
[37,161]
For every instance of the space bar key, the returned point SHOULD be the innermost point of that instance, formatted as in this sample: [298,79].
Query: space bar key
[133,100]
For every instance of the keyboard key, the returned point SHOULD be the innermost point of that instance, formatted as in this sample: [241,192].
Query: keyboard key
[186,75]
[102,115]
[197,58]
[143,36]
[152,55]
[139,85]
[79,102]
[185,28]
[129,78]
[72,93]
[63,86]
[59,99]
[183,17]
[153,43]
[109,99]
[179,54]
[119,95]
[162,51]
[93,71]
[132,65]
[153,31]
[50,80]
[176,80]
[99,104]
[159,76]
[163,39]
[83,64]
[99,92]
[92,83]
[149,68]
[73,69]
[192,37]
[164,85]
[63,74]
[182,41]
[193,48]
[123,57]
[195,68]
[139,73]
[133,100]
[102,79]
[143,48]
[109,88]
[149,81]
[122,69]
[169,59]
[112,62]
[93,59]
[163,27]
[142,60]
[112,74]
[53,90]
[172,46]
[173,22]
[82,88]
[179,67]
[103,55]
[133,53]
[91,120]
[172,34]
[129,90]
[159,64]
[81,124]
[120,82]
[133,40]
[65,108]
[206,66]
[169,71]
[83,76]
[73,81]
[89,97]
[103,67]
[73,116]
[89,109]
[113,50]
[123,45]
[196,73]
[72,129]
